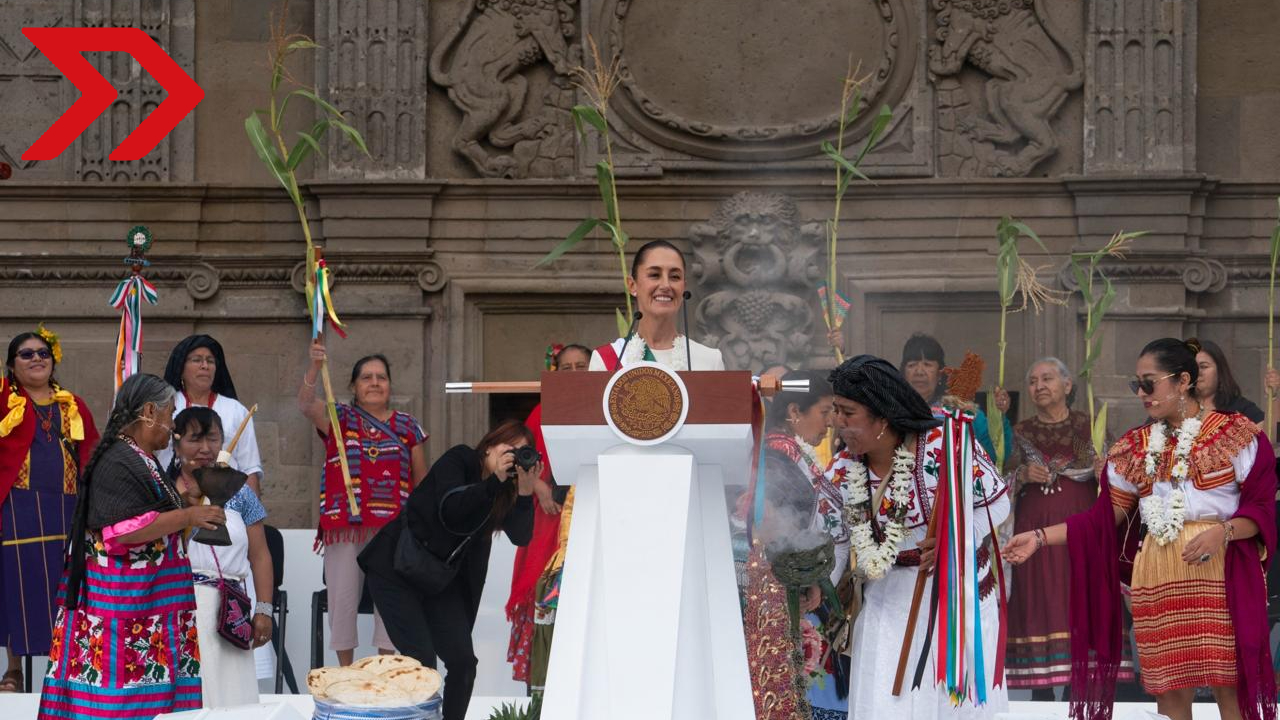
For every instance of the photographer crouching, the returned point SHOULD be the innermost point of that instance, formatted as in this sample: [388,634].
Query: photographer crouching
[426,571]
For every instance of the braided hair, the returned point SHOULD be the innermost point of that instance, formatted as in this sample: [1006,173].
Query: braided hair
[877,385]
[134,394]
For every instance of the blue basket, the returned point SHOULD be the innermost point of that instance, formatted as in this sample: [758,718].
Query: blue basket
[429,710]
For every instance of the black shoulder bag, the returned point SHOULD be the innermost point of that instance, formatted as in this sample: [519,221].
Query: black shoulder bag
[421,567]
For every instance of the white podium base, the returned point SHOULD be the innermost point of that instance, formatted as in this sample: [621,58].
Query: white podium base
[648,624]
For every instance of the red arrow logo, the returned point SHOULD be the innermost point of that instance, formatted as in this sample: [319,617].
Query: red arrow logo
[63,47]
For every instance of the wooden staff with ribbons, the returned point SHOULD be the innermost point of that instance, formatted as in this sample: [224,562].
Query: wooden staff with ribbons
[321,306]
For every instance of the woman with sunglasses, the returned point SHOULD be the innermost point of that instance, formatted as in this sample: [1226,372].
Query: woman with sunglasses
[1203,484]
[46,437]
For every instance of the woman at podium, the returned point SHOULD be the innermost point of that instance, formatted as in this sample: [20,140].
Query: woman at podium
[889,471]
[657,283]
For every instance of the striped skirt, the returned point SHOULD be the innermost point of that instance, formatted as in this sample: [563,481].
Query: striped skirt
[1185,638]
[130,649]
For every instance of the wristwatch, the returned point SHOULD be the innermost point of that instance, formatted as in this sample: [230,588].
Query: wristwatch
[262,608]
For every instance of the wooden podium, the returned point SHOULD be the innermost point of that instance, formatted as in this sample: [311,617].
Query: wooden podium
[649,623]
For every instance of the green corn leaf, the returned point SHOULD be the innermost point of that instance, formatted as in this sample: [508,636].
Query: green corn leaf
[307,143]
[351,133]
[995,426]
[622,322]
[877,129]
[842,161]
[1104,303]
[1099,431]
[1082,279]
[304,44]
[855,106]
[619,237]
[1024,229]
[604,176]
[586,115]
[325,104]
[567,244]
[267,154]
[277,74]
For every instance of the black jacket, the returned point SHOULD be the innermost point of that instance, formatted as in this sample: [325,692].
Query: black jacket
[460,467]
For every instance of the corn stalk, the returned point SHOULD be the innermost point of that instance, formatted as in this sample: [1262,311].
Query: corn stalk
[265,130]
[851,104]
[1014,276]
[1271,322]
[1084,266]
[598,83]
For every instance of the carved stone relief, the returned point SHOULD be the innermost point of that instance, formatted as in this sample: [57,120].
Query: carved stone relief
[34,93]
[373,68]
[515,122]
[756,266]
[681,106]
[1140,95]
[1028,71]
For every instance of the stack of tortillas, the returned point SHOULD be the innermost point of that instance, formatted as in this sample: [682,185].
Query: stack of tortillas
[378,681]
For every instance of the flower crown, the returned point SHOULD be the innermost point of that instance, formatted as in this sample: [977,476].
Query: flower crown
[51,339]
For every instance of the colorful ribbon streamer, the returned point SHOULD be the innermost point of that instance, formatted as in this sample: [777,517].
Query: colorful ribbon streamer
[322,304]
[127,298]
[841,309]
[955,613]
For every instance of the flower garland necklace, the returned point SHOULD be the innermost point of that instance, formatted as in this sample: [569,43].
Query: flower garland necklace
[875,558]
[637,347]
[1164,520]
[807,451]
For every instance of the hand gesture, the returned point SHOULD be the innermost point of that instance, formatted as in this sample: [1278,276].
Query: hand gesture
[928,555]
[1204,546]
[318,355]
[810,599]
[261,630]
[1273,380]
[498,461]
[1020,548]
[1002,399]
[208,517]
[1038,474]
[546,500]
[526,479]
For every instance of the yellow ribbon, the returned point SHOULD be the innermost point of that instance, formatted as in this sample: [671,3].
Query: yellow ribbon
[71,410]
[17,407]
[328,301]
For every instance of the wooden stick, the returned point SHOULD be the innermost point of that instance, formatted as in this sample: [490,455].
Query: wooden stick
[506,387]
[916,598]
[239,431]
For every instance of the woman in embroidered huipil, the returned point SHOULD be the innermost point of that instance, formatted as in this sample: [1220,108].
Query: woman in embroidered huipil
[657,283]
[386,459]
[1203,484]
[124,642]
[894,450]
[46,436]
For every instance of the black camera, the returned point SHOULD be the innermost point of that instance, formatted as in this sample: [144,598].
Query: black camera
[526,457]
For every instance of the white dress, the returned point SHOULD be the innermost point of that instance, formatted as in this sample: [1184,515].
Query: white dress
[878,632]
[703,357]
[228,675]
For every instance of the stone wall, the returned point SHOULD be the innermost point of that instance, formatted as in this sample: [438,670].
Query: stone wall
[1146,115]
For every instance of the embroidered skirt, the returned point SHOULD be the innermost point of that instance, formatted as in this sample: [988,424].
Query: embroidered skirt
[1185,638]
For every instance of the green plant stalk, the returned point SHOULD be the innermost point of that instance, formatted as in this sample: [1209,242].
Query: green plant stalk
[613,189]
[833,232]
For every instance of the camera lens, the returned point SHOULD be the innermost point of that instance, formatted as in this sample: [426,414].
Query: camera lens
[526,457]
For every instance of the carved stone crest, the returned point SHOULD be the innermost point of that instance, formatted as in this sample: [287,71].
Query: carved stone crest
[1029,72]
[484,62]
[757,267]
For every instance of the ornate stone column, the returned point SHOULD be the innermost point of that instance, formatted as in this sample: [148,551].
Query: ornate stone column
[1140,92]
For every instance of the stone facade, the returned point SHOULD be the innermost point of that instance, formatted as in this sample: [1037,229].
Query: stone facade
[1154,116]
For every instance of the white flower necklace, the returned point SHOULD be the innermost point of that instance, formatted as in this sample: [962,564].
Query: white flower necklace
[1164,520]
[636,347]
[875,558]
[807,451]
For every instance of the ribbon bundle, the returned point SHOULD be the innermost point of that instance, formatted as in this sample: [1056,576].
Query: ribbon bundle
[841,308]
[128,298]
[955,616]
[322,304]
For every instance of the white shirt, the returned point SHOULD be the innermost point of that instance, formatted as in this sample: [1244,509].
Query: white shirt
[703,357]
[245,457]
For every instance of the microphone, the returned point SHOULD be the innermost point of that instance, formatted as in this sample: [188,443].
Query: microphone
[630,329]
[684,308]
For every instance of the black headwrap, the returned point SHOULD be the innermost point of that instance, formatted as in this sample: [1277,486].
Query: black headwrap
[875,383]
[222,384]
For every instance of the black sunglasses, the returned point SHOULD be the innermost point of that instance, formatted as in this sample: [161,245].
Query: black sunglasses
[30,354]
[1147,385]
